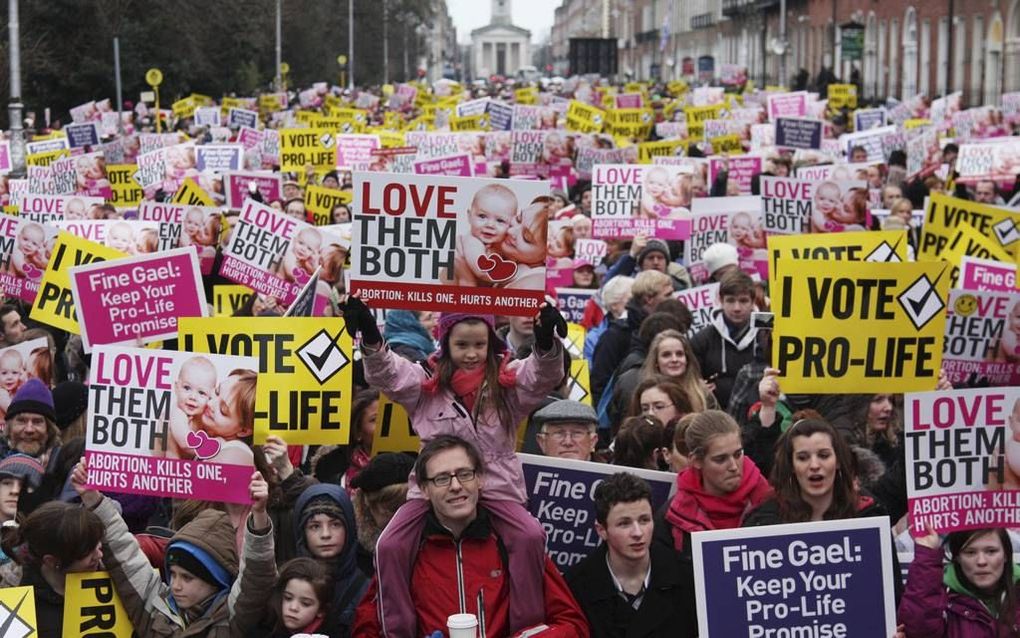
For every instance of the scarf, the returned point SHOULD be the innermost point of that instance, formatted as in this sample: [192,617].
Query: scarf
[466,384]
[693,509]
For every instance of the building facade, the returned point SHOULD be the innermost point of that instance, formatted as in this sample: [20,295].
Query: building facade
[910,46]
[500,48]
[442,54]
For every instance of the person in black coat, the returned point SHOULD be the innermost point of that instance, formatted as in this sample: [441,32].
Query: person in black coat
[630,587]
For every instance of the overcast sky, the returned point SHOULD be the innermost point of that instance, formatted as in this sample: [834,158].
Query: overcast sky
[534,15]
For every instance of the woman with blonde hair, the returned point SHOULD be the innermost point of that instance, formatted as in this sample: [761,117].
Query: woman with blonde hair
[670,355]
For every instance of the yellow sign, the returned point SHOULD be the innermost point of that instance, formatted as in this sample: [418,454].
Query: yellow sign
[54,304]
[875,245]
[527,95]
[153,77]
[677,87]
[303,147]
[228,103]
[727,145]
[630,122]
[579,385]
[305,372]
[191,194]
[270,102]
[93,608]
[390,139]
[698,115]
[478,122]
[584,118]
[320,202]
[184,108]
[842,95]
[915,123]
[48,157]
[124,190]
[944,237]
[19,611]
[859,327]
[229,298]
[393,430]
[662,148]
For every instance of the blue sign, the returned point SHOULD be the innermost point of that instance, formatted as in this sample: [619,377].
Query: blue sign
[79,135]
[865,119]
[501,115]
[571,302]
[237,118]
[706,68]
[561,496]
[798,132]
[831,578]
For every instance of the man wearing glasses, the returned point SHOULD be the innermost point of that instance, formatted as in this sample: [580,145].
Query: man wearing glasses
[462,565]
[567,430]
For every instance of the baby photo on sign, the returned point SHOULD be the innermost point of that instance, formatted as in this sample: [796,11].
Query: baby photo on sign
[31,359]
[666,193]
[505,242]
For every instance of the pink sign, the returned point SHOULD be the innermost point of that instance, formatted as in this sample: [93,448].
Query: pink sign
[629,101]
[138,297]
[741,169]
[354,152]
[5,157]
[630,199]
[986,274]
[455,165]
[787,105]
[151,428]
[236,186]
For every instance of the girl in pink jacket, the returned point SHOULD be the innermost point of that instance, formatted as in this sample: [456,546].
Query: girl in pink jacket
[476,391]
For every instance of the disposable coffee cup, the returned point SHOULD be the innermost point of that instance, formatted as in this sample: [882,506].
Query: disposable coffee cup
[462,626]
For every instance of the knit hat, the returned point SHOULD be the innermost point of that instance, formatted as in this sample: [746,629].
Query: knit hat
[197,561]
[24,467]
[718,255]
[33,397]
[448,320]
[321,505]
[566,411]
[653,246]
[71,399]
[389,468]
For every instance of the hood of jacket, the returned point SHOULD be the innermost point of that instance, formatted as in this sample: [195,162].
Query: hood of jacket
[951,579]
[212,533]
[403,328]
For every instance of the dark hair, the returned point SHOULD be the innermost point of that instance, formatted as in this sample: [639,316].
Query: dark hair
[636,442]
[442,443]
[622,487]
[307,569]
[676,392]
[657,322]
[736,282]
[898,158]
[1005,587]
[68,532]
[363,399]
[792,506]
[494,393]
[679,310]
[6,309]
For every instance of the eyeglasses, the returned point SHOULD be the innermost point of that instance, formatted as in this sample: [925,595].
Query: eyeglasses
[443,480]
[655,407]
[563,435]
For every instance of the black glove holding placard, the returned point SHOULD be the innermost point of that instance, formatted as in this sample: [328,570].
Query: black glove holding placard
[359,319]
[548,322]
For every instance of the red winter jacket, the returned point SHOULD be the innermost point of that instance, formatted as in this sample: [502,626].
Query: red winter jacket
[478,561]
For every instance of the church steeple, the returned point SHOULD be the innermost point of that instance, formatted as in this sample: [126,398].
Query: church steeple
[501,12]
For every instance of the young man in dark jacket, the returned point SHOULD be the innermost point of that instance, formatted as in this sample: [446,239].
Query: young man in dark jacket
[629,587]
[727,344]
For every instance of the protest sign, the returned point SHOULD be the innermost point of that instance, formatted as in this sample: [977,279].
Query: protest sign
[946,216]
[633,122]
[320,202]
[858,327]
[125,192]
[5,157]
[58,142]
[571,302]
[983,337]
[228,299]
[875,141]
[150,417]
[732,220]
[963,459]
[579,381]
[875,245]
[138,297]
[590,250]
[23,256]
[628,200]
[797,205]
[305,372]
[500,115]
[786,105]
[741,170]
[842,96]
[449,243]
[826,578]
[302,147]
[998,161]
[865,119]
[191,194]
[237,117]
[393,429]
[54,305]
[526,151]
[30,359]
[46,208]
[701,301]
[584,118]
[561,497]
[986,274]
[92,607]
[219,158]
[207,116]
[275,254]
[235,185]
[354,151]
[460,165]
[798,132]
[651,152]
[79,135]
[18,605]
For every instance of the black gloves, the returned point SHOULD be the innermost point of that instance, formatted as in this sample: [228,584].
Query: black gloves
[359,318]
[549,321]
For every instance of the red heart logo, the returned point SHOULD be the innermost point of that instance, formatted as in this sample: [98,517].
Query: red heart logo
[486,263]
[501,270]
[204,447]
